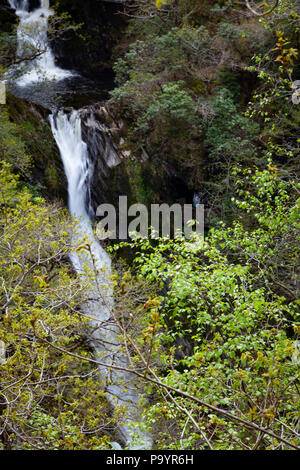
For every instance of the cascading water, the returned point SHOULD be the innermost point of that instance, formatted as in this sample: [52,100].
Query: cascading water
[120,387]
[66,128]
[33,44]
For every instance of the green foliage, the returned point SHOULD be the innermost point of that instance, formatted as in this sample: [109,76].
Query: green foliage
[231,82]
[229,138]
[222,298]
[228,133]
[213,325]
[50,400]
[165,113]
[169,106]
[156,88]
[8,47]
[12,149]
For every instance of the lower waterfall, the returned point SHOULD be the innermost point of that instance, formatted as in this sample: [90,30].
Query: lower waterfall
[121,390]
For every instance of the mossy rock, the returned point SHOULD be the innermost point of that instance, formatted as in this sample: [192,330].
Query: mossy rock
[34,129]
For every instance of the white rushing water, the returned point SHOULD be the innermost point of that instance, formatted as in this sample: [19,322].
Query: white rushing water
[120,386]
[33,42]
[66,127]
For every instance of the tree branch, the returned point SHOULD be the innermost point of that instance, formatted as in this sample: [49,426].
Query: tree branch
[261,14]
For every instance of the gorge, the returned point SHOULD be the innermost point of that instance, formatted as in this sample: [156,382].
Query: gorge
[170,344]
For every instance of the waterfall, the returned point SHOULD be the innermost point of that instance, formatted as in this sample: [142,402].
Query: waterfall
[33,42]
[121,389]
[18,4]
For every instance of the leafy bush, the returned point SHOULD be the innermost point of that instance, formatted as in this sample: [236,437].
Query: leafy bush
[12,149]
[50,399]
[229,135]
[239,381]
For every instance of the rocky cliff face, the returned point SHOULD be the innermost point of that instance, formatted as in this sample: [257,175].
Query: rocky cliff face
[89,52]
[47,173]
[103,136]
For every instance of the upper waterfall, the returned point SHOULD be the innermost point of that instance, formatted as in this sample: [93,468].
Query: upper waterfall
[21,5]
[33,44]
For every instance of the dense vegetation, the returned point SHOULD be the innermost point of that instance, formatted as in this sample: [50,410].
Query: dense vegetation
[208,91]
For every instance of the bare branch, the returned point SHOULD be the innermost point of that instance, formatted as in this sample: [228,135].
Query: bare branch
[261,14]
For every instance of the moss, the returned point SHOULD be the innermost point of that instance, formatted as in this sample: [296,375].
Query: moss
[140,189]
[197,85]
[34,130]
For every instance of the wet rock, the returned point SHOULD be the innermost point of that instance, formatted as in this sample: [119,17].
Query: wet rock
[102,134]
[47,171]
[183,348]
[89,52]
